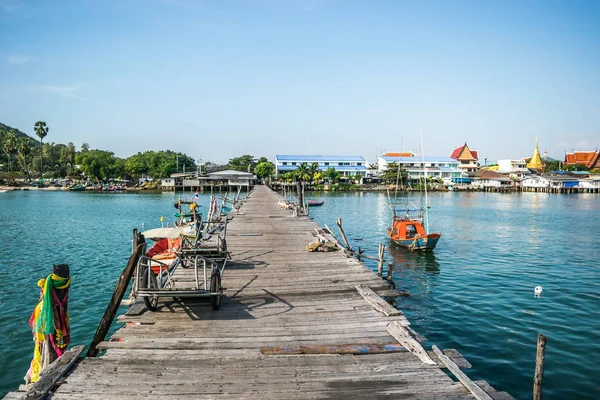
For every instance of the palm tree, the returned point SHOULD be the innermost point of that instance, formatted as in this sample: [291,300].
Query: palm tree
[24,150]
[10,146]
[313,169]
[41,130]
[302,172]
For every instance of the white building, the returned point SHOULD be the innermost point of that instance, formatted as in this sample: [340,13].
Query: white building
[593,182]
[553,181]
[416,167]
[535,181]
[513,168]
[345,165]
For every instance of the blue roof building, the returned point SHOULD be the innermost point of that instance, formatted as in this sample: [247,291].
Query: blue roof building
[345,165]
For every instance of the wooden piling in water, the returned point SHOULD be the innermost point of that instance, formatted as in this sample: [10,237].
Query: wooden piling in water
[339,224]
[539,367]
[380,264]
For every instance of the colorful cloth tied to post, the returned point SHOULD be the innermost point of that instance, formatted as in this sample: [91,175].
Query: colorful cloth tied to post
[49,320]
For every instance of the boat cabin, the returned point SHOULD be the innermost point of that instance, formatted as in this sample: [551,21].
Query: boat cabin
[407,229]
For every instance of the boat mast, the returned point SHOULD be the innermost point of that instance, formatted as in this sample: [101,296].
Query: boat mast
[425,206]
[397,179]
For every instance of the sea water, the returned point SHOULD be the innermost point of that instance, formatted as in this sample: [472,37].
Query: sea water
[474,293]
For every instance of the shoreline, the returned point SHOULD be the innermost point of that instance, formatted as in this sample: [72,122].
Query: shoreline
[376,189]
[66,189]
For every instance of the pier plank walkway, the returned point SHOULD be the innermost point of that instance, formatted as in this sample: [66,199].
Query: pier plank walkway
[291,325]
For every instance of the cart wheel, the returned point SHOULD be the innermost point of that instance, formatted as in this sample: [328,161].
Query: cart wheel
[215,286]
[151,302]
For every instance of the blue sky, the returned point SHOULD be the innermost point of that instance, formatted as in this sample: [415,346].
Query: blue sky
[217,79]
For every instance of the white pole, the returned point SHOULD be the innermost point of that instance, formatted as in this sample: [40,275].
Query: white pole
[426,212]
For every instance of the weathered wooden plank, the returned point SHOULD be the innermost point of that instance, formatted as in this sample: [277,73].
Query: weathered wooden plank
[136,307]
[363,348]
[478,392]
[50,376]
[410,343]
[453,355]
[376,302]
[491,391]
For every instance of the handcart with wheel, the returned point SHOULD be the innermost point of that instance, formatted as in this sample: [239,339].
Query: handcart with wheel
[158,273]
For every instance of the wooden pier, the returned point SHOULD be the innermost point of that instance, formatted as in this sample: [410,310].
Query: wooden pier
[292,324]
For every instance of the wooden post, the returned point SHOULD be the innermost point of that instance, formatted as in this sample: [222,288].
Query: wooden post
[380,264]
[390,272]
[539,367]
[339,224]
[115,301]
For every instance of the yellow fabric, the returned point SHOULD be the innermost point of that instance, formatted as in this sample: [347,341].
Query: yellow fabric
[38,337]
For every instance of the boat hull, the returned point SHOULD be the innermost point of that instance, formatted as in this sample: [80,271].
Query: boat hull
[422,243]
[315,203]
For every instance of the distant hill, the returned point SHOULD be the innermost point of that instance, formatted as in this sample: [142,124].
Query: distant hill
[35,143]
[18,133]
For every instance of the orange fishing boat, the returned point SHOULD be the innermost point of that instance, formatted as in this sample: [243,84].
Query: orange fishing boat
[410,232]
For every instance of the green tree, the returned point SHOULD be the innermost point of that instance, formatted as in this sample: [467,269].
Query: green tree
[67,154]
[244,163]
[41,130]
[10,147]
[302,173]
[137,165]
[157,164]
[85,147]
[331,175]
[391,174]
[24,149]
[262,160]
[313,170]
[264,170]
[576,167]
[98,164]
[552,165]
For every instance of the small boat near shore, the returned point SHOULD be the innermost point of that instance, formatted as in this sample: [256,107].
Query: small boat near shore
[77,188]
[315,203]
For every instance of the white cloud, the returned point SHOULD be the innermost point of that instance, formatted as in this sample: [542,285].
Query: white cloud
[64,91]
[17,59]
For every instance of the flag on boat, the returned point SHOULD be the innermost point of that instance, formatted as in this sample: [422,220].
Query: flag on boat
[196,195]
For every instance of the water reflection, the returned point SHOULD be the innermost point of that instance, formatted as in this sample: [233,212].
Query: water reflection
[425,261]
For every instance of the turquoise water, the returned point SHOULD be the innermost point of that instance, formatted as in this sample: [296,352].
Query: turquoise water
[92,233]
[474,293]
